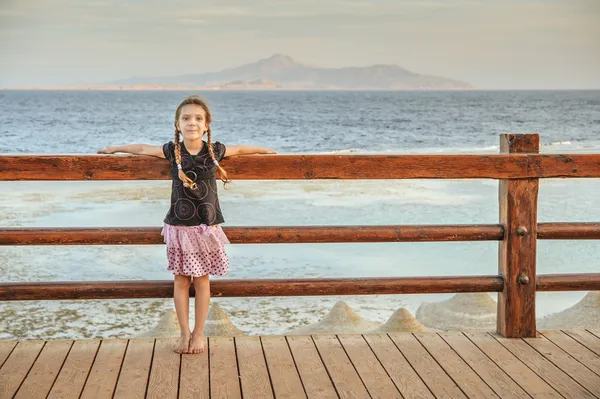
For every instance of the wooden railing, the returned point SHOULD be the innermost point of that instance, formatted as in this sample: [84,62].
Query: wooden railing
[519,166]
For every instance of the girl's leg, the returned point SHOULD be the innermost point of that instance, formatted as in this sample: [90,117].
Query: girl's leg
[182,308]
[202,301]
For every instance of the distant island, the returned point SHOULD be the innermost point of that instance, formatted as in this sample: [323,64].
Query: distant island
[282,72]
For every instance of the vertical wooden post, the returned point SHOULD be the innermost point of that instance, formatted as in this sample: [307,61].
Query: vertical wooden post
[517,252]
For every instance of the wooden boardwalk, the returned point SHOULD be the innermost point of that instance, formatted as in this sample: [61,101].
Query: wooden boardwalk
[423,365]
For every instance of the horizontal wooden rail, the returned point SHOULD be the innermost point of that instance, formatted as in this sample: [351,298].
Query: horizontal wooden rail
[295,234]
[255,235]
[71,290]
[301,167]
[251,287]
[568,282]
[568,231]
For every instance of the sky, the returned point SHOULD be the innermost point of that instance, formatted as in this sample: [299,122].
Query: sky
[491,44]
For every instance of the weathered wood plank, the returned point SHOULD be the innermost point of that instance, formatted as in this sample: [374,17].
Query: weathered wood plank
[194,380]
[16,367]
[224,380]
[164,374]
[302,167]
[315,379]
[369,368]
[568,231]
[568,282]
[294,234]
[517,370]
[105,371]
[282,369]
[6,347]
[586,338]
[44,370]
[517,252]
[251,287]
[133,379]
[575,349]
[346,380]
[74,373]
[254,235]
[559,380]
[489,371]
[253,368]
[565,362]
[428,369]
[460,372]
[400,371]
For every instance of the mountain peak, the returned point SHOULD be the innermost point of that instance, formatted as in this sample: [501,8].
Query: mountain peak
[284,72]
[280,61]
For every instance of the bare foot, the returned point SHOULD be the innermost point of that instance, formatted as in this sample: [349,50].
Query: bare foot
[183,345]
[197,344]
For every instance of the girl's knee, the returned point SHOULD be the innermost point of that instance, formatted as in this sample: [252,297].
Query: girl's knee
[201,281]
[182,281]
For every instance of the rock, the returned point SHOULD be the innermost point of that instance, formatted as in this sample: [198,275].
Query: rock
[585,314]
[167,327]
[463,312]
[340,320]
[218,324]
[400,321]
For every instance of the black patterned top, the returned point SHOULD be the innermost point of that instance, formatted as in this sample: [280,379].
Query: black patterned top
[194,207]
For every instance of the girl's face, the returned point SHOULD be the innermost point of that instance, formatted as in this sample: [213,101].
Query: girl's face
[192,122]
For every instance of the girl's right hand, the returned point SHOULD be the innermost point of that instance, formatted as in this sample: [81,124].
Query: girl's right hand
[107,150]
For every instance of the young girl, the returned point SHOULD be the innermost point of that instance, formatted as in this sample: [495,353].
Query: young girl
[192,231]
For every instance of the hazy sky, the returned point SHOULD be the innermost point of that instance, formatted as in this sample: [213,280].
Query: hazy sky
[492,44]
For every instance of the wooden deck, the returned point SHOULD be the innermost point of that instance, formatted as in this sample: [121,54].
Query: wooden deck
[425,365]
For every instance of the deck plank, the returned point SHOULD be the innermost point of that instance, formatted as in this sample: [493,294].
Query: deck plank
[133,380]
[224,375]
[428,369]
[586,338]
[489,371]
[41,377]
[282,369]
[339,367]
[556,364]
[575,349]
[369,368]
[164,374]
[567,363]
[559,380]
[313,374]
[6,347]
[400,371]
[253,368]
[535,386]
[460,372]
[15,368]
[194,380]
[74,373]
[103,377]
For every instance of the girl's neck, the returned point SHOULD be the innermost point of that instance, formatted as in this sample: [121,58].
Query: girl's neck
[193,146]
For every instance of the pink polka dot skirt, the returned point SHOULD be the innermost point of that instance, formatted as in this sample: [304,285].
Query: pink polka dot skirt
[196,250]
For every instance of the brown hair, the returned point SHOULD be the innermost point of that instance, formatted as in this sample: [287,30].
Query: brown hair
[187,182]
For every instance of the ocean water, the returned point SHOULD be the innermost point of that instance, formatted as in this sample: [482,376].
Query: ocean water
[290,122]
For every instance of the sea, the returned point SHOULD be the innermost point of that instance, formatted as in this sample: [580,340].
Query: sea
[291,122]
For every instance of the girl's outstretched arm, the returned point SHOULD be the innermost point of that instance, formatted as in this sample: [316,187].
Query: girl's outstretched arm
[136,149]
[233,150]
